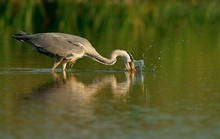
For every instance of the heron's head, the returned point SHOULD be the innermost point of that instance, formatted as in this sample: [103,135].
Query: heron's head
[130,63]
[133,65]
[127,58]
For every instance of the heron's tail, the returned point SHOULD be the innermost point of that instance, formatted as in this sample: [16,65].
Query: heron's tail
[21,36]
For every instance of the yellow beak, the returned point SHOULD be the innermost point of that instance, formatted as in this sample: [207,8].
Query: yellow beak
[131,67]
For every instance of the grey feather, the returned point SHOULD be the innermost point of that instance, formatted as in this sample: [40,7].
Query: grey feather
[55,44]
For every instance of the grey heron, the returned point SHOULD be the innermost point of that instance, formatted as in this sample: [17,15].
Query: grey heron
[67,48]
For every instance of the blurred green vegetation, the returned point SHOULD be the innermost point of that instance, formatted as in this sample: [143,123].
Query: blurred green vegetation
[132,25]
[95,18]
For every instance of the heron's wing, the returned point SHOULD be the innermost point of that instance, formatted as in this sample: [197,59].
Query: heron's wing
[54,44]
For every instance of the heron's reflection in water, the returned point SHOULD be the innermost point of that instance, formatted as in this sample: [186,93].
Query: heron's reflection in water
[69,88]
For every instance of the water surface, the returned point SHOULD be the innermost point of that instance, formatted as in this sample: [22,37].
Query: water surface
[36,103]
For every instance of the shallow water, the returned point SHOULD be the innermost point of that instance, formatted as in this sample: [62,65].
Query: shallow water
[37,103]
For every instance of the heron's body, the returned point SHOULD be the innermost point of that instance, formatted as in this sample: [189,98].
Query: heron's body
[68,48]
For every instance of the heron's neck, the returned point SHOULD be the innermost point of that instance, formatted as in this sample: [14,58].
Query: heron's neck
[97,57]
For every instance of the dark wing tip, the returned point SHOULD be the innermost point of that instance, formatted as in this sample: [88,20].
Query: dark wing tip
[19,34]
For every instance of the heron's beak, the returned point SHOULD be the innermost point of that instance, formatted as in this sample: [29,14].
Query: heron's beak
[131,67]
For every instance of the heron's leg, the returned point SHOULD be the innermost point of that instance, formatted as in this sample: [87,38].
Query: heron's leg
[57,62]
[64,65]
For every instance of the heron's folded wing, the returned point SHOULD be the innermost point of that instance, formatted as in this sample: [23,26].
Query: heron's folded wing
[56,45]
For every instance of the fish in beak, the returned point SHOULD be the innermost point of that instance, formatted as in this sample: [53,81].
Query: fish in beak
[134,65]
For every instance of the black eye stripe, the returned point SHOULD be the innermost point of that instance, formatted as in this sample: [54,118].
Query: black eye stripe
[131,57]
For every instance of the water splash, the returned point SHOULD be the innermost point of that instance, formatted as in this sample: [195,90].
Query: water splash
[139,65]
